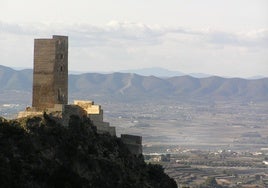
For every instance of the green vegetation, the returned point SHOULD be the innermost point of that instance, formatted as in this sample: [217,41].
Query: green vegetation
[38,152]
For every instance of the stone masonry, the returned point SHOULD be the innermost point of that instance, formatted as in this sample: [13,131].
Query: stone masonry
[50,75]
[95,113]
[133,142]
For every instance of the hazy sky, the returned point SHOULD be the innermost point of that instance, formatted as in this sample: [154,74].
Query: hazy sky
[222,37]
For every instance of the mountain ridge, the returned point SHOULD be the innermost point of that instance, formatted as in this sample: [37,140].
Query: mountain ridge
[132,87]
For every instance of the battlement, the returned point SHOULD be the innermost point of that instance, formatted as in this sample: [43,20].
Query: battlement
[88,106]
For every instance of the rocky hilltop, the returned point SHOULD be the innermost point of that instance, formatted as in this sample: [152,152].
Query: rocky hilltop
[38,152]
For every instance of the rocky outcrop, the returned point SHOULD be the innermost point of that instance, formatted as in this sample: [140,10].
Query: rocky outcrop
[38,152]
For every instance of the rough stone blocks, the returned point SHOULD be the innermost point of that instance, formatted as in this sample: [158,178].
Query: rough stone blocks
[50,77]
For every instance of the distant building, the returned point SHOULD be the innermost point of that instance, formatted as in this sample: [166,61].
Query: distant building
[158,157]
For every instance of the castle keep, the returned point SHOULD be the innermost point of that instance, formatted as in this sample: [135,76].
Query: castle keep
[50,91]
[50,74]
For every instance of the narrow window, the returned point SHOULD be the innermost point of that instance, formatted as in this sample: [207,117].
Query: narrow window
[59,94]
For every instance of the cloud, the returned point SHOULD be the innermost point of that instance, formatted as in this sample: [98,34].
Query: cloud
[115,33]
[126,45]
[257,38]
[128,33]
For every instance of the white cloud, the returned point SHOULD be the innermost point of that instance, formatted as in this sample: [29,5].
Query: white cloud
[125,45]
[127,32]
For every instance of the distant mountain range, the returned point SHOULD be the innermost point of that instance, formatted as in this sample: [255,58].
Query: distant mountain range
[134,88]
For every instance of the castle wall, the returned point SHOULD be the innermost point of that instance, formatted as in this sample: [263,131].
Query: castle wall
[23,114]
[133,143]
[61,70]
[96,117]
[95,114]
[69,110]
[104,127]
[88,106]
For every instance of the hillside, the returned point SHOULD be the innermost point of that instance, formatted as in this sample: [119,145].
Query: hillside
[37,152]
[11,79]
[132,87]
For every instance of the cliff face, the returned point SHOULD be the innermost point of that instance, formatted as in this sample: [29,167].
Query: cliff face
[37,152]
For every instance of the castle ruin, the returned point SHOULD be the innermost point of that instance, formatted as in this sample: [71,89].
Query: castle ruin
[50,91]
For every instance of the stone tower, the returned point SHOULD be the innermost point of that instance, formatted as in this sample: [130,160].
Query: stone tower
[50,75]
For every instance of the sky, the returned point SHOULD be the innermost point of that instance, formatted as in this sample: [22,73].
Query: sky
[219,37]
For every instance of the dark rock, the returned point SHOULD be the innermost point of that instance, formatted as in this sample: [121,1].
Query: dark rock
[45,154]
